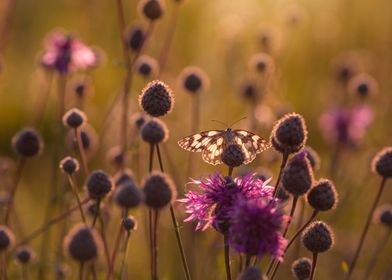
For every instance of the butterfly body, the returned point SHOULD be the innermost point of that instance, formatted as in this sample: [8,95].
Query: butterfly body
[211,144]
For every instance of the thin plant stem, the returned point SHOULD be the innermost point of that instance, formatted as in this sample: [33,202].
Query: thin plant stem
[247,261]
[116,245]
[62,82]
[75,193]
[125,256]
[81,268]
[366,228]
[230,173]
[176,227]
[297,248]
[104,240]
[82,152]
[150,229]
[314,263]
[98,212]
[40,111]
[25,272]
[3,266]
[93,270]
[155,242]
[227,256]
[285,157]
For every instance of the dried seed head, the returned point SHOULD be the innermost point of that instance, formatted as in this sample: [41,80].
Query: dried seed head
[138,119]
[62,271]
[233,155]
[297,176]
[74,118]
[116,156]
[146,66]
[159,190]
[193,79]
[384,215]
[313,157]
[283,195]
[83,243]
[382,163]
[152,9]
[128,195]
[154,131]
[24,254]
[124,176]
[302,268]
[156,99]
[248,89]
[7,238]
[129,223]
[363,85]
[323,196]
[134,37]
[98,184]
[289,133]
[262,63]
[69,165]
[318,237]
[80,88]
[27,142]
[251,273]
[91,209]
[88,136]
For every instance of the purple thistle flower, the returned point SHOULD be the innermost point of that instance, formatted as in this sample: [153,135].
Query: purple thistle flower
[256,227]
[65,53]
[218,195]
[340,125]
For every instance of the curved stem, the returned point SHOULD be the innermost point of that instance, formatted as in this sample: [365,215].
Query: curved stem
[285,157]
[97,213]
[314,263]
[104,240]
[365,229]
[82,152]
[227,256]
[75,193]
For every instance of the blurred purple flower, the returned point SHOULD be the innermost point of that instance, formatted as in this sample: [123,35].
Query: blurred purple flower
[340,125]
[256,227]
[218,195]
[65,53]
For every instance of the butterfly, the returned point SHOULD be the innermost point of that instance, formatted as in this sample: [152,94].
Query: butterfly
[212,143]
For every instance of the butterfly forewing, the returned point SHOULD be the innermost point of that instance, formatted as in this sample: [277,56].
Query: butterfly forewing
[198,142]
[212,154]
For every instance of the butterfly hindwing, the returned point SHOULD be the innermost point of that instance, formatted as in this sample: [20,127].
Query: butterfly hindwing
[198,142]
[212,153]
[251,144]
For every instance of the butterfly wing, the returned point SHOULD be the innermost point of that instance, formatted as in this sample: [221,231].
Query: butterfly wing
[251,144]
[199,141]
[212,153]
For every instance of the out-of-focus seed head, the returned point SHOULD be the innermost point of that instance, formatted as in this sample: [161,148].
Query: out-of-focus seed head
[146,66]
[27,142]
[233,155]
[156,99]
[129,223]
[116,156]
[313,157]
[297,176]
[74,118]
[384,215]
[345,66]
[80,89]
[363,85]
[248,89]
[62,271]
[128,195]
[138,119]
[154,131]
[193,80]
[264,173]
[98,184]
[7,238]
[323,196]
[318,237]
[251,273]
[152,9]
[24,254]
[135,37]
[262,63]
[88,136]
[283,195]
[289,133]
[91,209]
[159,190]
[382,163]
[302,268]
[124,176]
[69,165]
[83,243]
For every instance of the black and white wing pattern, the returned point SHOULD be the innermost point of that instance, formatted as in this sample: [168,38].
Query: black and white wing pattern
[199,141]
[212,154]
[251,144]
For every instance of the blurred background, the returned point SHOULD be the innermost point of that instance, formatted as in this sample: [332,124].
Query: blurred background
[316,47]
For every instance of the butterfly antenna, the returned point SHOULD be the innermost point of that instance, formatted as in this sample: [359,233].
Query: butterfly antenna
[237,121]
[220,122]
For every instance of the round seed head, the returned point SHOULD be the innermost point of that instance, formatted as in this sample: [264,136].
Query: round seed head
[313,157]
[146,66]
[27,142]
[129,223]
[80,89]
[138,119]
[323,196]
[290,132]
[62,271]
[318,237]
[382,163]
[363,85]
[384,215]
[134,38]
[128,195]
[6,238]
[154,131]
[74,118]
[302,268]
[83,243]
[247,89]
[297,176]
[123,177]
[233,155]
[91,209]
[116,156]
[251,273]
[262,63]
[193,79]
[69,165]
[98,184]
[283,195]
[159,190]
[152,9]
[24,254]
[156,99]
[88,136]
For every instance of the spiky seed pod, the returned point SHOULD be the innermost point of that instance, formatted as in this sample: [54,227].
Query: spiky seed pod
[83,243]
[156,99]
[302,268]
[74,118]
[151,9]
[134,37]
[290,133]
[262,63]
[251,273]
[123,177]
[128,195]
[69,165]
[323,196]
[233,155]
[384,215]
[318,237]
[98,184]
[382,163]
[297,176]
[146,66]
[159,190]
[24,254]
[129,223]
[154,131]
[7,238]
[193,79]
[27,143]
[363,85]
[313,157]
